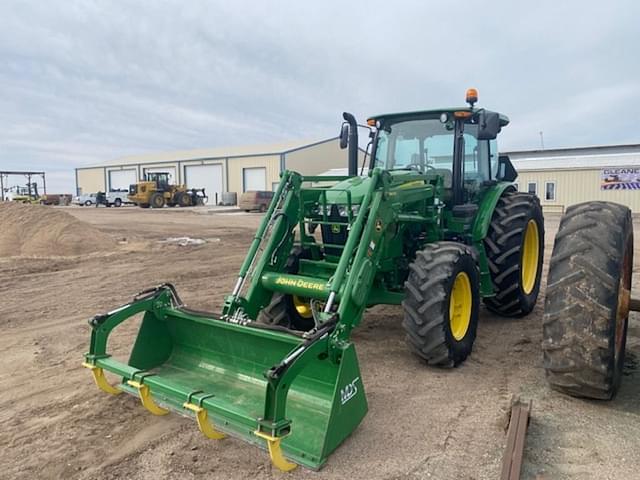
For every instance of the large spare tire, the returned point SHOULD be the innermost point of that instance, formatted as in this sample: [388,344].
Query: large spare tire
[587,300]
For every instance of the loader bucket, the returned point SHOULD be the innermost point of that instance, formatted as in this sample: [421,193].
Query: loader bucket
[223,375]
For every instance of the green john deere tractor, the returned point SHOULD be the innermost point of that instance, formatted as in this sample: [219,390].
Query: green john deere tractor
[436,226]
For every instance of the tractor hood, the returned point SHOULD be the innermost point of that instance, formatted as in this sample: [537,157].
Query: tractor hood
[357,186]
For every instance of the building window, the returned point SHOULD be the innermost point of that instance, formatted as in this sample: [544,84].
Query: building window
[550,191]
[532,188]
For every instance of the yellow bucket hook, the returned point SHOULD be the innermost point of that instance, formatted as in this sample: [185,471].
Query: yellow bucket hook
[145,398]
[275,452]
[101,380]
[203,424]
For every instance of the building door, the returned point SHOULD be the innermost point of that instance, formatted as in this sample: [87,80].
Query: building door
[121,179]
[208,177]
[254,179]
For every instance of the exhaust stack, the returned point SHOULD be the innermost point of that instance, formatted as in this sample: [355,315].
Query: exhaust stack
[353,143]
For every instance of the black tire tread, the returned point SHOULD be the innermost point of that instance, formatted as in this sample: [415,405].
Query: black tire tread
[503,247]
[582,299]
[426,303]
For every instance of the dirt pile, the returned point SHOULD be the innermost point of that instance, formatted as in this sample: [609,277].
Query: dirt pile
[27,230]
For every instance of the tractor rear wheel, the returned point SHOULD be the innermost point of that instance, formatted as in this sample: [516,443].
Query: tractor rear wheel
[157,200]
[587,300]
[287,310]
[515,249]
[442,303]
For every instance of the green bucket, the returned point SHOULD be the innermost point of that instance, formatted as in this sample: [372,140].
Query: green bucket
[252,383]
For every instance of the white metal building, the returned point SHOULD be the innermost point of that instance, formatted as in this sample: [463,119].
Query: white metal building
[565,176]
[217,170]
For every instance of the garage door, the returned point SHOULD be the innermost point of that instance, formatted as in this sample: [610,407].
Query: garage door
[208,177]
[121,179]
[173,179]
[254,179]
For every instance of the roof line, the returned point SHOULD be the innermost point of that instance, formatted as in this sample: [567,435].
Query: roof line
[564,149]
[106,163]
[307,146]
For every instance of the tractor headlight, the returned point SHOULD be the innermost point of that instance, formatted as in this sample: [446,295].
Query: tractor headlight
[344,209]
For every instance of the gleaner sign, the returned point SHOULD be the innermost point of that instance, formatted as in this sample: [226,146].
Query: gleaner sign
[626,178]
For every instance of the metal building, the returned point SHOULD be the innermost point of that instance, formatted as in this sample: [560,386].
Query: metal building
[565,176]
[217,170]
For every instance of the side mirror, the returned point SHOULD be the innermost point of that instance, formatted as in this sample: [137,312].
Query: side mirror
[506,170]
[488,125]
[344,136]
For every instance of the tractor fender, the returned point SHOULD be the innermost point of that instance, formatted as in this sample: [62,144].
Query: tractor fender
[486,207]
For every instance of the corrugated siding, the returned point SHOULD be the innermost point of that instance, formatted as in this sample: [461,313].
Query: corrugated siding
[91,180]
[576,186]
[317,159]
[270,162]
[204,153]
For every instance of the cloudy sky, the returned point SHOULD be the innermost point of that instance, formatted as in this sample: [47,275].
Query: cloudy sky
[87,81]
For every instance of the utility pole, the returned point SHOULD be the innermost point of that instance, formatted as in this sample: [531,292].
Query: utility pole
[541,140]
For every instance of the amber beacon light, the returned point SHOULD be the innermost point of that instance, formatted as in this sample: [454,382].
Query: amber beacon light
[472,96]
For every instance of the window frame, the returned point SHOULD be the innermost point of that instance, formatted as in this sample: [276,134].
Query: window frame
[555,195]
[535,192]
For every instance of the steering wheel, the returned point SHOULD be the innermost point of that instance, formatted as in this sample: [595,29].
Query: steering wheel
[418,167]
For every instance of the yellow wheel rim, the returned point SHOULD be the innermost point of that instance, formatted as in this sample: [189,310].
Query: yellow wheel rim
[530,254]
[302,307]
[460,304]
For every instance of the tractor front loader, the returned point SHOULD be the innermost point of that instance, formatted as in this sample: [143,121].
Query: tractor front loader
[436,226]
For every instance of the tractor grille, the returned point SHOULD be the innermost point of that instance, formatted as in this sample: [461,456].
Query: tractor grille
[334,234]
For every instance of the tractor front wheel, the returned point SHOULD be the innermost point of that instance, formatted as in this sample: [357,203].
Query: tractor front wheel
[587,300]
[441,306]
[286,310]
[157,200]
[515,248]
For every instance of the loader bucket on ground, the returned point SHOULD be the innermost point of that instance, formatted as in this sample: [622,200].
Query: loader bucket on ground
[196,365]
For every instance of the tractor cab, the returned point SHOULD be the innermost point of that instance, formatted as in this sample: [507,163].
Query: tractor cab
[161,179]
[456,144]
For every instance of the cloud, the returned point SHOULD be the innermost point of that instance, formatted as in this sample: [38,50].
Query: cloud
[84,82]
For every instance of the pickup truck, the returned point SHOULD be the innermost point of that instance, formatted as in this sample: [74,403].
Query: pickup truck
[86,199]
[114,198]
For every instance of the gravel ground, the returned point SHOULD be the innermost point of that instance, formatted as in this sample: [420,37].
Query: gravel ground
[422,422]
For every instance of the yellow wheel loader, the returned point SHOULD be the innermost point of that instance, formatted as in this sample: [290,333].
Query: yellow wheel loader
[156,192]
